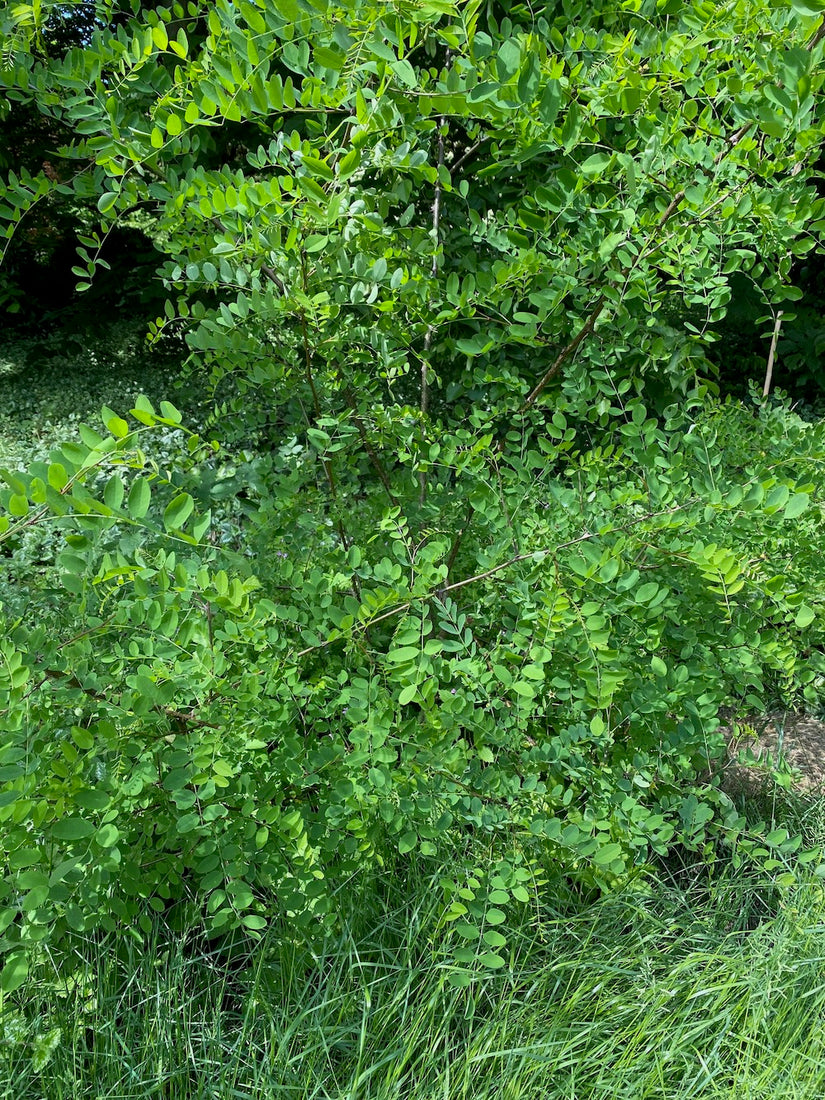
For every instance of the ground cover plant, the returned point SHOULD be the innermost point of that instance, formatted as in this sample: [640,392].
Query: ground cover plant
[52,380]
[465,557]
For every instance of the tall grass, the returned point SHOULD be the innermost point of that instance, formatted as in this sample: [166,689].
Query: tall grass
[712,990]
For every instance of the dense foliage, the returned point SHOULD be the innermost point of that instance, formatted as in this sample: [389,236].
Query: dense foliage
[493,560]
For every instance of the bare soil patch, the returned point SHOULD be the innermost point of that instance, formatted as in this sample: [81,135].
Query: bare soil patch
[791,743]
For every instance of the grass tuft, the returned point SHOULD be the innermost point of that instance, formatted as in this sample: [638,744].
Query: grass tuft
[664,994]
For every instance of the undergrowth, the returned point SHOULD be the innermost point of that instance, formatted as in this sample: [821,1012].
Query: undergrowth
[53,380]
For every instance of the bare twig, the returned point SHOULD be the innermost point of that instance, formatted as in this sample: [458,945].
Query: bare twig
[766,389]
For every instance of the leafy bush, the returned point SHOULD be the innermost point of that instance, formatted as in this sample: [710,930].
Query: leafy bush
[503,559]
[178,733]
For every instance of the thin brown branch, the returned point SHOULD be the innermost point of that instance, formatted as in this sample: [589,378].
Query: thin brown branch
[99,628]
[189,719]
[458,540]
[273,278]
[544,552]
[566,353]
[817,36]
[569,350]
[731,143]
[465,156]
[316,406]
[49,675]
[436,208]
[377,464]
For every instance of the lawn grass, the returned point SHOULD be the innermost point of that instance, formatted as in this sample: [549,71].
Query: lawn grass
[716,989]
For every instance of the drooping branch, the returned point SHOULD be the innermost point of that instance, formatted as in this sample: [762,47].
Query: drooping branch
[528,555]
[188,717]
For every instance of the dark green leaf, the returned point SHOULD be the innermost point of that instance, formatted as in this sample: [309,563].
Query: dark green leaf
[178,511]
[139,497]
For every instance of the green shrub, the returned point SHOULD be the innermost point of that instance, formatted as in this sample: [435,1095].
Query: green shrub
[175,731]
[502,562]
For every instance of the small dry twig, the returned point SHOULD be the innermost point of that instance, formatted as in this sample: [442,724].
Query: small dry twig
[766,389]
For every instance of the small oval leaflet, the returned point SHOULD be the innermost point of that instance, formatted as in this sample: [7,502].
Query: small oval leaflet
[646,592]
[139,496]
[178,511]
[113,493]
[796,505]
[492,961]
[72,828]
[493,938]
[407,842]
[253,921]
[14,973]
[658,666]
[804,616]
[107,836]
[58,478]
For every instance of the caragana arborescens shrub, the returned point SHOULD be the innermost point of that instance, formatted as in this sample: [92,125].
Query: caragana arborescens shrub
[506,559]
[178,732]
